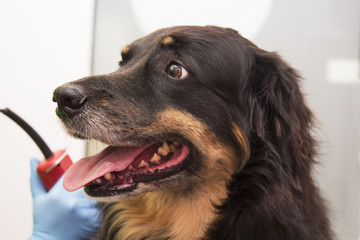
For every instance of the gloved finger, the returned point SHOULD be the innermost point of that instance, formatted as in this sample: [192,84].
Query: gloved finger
[91,213]
[37,188]
[86,203]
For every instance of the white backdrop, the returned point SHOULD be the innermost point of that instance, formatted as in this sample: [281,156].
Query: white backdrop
[42,45]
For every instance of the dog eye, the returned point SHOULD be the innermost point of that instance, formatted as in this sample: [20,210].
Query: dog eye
[175,70]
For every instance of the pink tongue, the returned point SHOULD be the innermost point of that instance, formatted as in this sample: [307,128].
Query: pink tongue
[111,159]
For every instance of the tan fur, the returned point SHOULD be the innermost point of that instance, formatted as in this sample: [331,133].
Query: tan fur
[172,120]
[167,40]
[168,214]
[125,50]
[178,214]
[243,141]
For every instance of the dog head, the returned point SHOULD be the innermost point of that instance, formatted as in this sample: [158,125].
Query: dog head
[185,108]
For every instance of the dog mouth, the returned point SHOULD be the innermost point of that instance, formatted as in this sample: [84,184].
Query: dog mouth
[118,170]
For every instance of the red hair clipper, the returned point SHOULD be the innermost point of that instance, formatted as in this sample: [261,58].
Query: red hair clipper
[55,163]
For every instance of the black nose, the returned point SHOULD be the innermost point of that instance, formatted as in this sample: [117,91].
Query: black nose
[70,99]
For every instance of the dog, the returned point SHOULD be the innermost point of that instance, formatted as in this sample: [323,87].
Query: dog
[209,138]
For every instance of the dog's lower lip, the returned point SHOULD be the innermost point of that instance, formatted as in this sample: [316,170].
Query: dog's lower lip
[94,191]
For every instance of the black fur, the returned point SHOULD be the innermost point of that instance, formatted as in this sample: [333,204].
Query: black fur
[273,196]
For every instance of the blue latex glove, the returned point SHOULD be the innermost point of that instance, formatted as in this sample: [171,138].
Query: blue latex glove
[61,215]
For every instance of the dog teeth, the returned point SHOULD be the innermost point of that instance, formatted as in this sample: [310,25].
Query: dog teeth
[155,159]
[173,147]
[130,167]
[164,149]
[108,176]
[143,164]
[97,181]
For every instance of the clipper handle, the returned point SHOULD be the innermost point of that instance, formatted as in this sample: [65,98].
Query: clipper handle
[51,169]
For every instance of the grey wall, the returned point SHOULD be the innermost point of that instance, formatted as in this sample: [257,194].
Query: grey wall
[308,34]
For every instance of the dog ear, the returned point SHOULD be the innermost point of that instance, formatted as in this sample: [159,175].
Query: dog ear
[280,121]
[275,184]
[278,112]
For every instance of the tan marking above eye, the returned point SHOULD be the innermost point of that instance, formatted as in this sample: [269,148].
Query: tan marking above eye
[167,40]
[125,50]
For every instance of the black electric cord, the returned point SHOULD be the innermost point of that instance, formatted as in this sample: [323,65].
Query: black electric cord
[30,131]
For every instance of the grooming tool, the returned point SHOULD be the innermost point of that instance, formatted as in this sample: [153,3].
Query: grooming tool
[55,163]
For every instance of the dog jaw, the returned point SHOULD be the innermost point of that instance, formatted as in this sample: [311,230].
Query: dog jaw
[183,206]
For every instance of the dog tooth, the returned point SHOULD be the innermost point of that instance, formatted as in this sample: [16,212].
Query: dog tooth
[108,176]
[156,158]
[143,164]
[98,181]
[130,167]
[164,149]
[173,147]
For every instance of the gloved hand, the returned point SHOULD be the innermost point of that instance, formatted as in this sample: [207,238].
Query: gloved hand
[61,215]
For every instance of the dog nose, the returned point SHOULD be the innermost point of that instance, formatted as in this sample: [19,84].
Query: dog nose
[70,100]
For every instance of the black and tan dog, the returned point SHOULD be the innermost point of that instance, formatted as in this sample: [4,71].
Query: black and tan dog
[209,138]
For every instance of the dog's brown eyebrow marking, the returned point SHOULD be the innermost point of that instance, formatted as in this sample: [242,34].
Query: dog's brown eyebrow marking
[167,40]
[125,50]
